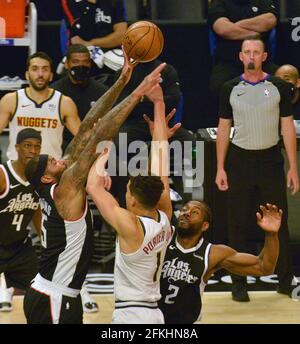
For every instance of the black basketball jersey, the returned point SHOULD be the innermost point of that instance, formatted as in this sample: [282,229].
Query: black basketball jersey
[17,206]
[181,282]
[67,246]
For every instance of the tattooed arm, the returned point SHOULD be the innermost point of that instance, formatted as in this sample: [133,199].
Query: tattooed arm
[101,107]
[74,178]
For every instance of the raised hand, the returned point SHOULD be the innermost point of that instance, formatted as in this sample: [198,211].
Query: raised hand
[270,219]
[171,130]
[149,81]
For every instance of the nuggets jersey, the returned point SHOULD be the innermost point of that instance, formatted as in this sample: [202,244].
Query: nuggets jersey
[136,275]
[67,246]
[44,117]
[17,206]
[181,282]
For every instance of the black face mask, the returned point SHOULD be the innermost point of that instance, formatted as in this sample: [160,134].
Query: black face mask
[80,73]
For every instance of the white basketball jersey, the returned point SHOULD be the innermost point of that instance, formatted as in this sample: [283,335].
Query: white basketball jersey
[44,117]
[136,275]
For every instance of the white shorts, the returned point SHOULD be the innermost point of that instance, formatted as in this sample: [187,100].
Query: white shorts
[138,315]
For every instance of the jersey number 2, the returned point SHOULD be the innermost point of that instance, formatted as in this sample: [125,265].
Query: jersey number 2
[172,295]
[17,221]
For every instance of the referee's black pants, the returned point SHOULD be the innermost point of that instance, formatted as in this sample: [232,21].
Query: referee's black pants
[259,174]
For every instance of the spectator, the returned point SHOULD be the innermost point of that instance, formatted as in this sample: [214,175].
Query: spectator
[290,74]
[78,85]
[38,107]
[96,22]
[257,103]
[232,21]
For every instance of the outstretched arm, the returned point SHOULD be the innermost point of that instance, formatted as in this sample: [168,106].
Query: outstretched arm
[123,221]
[101,107]
[247,264]
[105,129]
[160,147]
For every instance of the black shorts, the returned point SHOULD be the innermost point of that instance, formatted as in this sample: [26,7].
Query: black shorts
[19,264]
[38,306]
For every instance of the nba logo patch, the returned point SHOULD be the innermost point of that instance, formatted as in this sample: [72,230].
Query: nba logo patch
[52,107]
[267,93]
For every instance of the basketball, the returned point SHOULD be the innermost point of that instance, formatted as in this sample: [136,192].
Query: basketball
[143,41]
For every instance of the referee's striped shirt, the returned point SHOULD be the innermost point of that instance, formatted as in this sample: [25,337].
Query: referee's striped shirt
[255,109]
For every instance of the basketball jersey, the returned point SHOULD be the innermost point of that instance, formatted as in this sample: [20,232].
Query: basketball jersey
[67,246]
[44,117]
[136,275]
[181,282]
[17,206]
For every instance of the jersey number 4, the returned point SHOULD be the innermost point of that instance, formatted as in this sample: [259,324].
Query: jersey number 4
[17,221]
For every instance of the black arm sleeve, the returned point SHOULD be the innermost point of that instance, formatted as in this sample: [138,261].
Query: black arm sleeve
[285,104]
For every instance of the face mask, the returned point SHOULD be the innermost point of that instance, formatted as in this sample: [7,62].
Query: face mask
[80,73]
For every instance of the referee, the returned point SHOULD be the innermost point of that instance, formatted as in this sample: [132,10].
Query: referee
[259,105]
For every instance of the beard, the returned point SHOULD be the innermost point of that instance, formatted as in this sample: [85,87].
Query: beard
[251,66]
[187,232]
[38,87]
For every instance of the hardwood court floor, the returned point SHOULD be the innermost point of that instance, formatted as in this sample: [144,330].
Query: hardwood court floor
[218,308]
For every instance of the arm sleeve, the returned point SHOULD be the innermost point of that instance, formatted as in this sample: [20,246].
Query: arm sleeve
[216,10]
[171,88]
[225,108]
[285,90]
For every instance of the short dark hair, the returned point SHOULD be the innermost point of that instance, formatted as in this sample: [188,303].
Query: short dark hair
[254,38]
[41,55]
[76,48]
[146,189]
[28,133]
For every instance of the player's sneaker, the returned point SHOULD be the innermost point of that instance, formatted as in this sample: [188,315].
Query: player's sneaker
[88,304]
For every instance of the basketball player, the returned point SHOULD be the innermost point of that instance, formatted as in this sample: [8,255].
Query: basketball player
[143,230]
[190,260]
[67,238]
[19,204]
[38,107]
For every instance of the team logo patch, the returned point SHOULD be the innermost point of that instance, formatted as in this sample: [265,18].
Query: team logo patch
[52,107]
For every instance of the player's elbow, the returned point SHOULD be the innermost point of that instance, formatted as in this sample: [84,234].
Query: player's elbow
[269,22]
[267,269]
